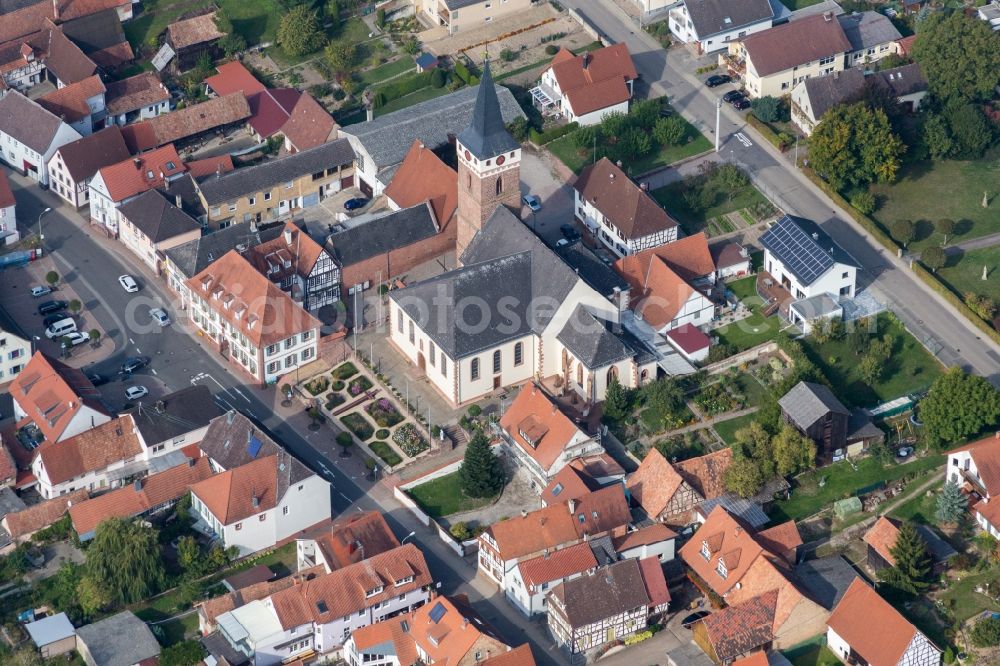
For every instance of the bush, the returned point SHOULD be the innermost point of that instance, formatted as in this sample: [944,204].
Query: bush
[318,385]
[462,72]
[344,439]
[986,632]
[475,410]
[338,385]
[542,138]
[333,400]
[438,78]
[344,371]
[359,385]
[864,202]
[409,440]
[769,109]
[551,49]
[460,531]
[382,433]
[386,453]
[359,425]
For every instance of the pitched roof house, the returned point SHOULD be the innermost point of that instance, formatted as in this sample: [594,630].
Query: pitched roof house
[872,36]
[136,98]
[711,24]
[881,538]
[115,184]
[31,134]
[190,38]
[620,213]
[584,88]
[187,124]
[348,541]
[816,95]
[101,38]
[669,492]
[210,609]
[118,640]
[424,178]
[74,164]
[20,525]
[805,261]
[151,224]
[975,467]
[299,266]
[815,412]
[849,632]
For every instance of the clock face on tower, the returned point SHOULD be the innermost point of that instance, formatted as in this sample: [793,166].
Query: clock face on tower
[501,160]
[468,155]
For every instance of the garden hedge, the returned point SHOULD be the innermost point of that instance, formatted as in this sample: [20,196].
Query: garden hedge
[766,131]
[542,138]
[404,85]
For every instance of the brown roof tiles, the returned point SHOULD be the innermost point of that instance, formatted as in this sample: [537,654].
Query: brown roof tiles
[22,524]
[135,92]
[560,564]
[882,537]
[594,80]
[538,427]
[90,451]
[70,102]
[622,202]
[51,393]
[423,177]
[241,492]
[85,156]
[308,125]
[742,627]
[355,538]
[141,173]
[196,30]
[189,121]
[796,43]
[859,611]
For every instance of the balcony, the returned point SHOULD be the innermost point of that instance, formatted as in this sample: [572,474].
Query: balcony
[736,65]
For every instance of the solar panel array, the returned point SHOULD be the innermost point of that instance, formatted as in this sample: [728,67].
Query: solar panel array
[438,612]
[797,250]
[253,447]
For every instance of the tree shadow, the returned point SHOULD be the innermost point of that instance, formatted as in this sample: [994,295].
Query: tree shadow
[922,230]
[953,256]
[963,226]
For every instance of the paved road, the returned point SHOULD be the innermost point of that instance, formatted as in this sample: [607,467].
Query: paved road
[92,264]
[955,340]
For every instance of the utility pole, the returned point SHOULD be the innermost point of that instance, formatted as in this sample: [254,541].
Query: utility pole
[356,289]
[718,118]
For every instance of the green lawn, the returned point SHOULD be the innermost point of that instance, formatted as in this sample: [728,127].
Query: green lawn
[919,508]
[842,481]
[911,368]
[576,159]
[422,95]
[443,496]
[812,655]
[727,429]
[386,453]
[671,197]
[173,631]
[756,328]
[964,271]
[967,601]
[930,190]
[256,20]
[799,4]
[386,71]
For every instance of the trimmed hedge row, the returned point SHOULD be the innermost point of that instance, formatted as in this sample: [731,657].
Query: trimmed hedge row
[542,138]
[404,85]
[463,73]
[766,131]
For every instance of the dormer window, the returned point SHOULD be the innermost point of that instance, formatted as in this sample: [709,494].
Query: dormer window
[721,569]
[404,581]
[372,592]
[705,552]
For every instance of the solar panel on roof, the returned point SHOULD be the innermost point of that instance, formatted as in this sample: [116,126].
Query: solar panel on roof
[253,447]
[800,252]
[438,612]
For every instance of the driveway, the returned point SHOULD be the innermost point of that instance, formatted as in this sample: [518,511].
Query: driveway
[549,180]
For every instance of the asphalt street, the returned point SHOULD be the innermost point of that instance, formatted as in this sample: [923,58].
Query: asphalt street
[953,338]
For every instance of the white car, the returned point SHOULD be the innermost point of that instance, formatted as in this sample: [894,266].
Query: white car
[76,338]
[160,317]
[128,283]
[40,291]
[136,392]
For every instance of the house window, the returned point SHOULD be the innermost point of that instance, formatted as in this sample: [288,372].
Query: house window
[239,526]
[267,196]
[844,276]
[496,362]
[284,510]
[232,208]
[721,569]
[431,352]
[252,201]
[262,517]
[411,332]
[474,369]
[519,353]
[444,367]
[399,321]
[499,186]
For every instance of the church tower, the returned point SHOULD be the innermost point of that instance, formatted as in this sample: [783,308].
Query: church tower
[489,165]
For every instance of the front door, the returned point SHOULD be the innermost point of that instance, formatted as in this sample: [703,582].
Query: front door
[496,382]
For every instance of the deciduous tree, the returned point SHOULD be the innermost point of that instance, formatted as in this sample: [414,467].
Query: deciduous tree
[481,473]
[744,477]
[945,227]
[617,403]
[793,452]
[669,131]
[957,406]
[854,146]
[933,258]
[188,552]
[970,131]
[903,231]
[124,559]
[340,57]
[299,31]
[959,55]
[937,136]
[769,109]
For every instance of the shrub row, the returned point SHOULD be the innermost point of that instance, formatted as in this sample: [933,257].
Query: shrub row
[777,140]
[404,85]
[542,138]
[463,73]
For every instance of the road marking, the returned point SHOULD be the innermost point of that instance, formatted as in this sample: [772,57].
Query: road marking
[742,138]
[153,370]
[345,497]
[138,351]
[131,341]
[224,403]
[241,394]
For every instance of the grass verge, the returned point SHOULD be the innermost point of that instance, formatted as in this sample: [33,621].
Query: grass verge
[443,496]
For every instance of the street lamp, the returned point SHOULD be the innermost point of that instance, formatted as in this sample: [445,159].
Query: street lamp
[40,236]
[411,534]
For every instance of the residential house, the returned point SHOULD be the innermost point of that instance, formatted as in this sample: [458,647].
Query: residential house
[905,84]
[990,12]
[8,477]
[881,538]
[730,559]
[587,87]
[260,495]
[690,342]
[381,144]
[772,62]
[817,414]
[805,261]
[144,497]
[318,614]
[348,541]
[54,402]
[531,579]
[190,38]
[210,609]
[669,285]
[101,38]
[184,126]
[255,325]
[79,104]
[278,187]
[570,482]
[176,420]
[442,631]
[505,544]
[540,438]
[14,350]
[619,212]
[299,266]
[118,640]
[656,540]
[826,579]
[150,225]
[738,630]
[21,525]
[710,26]
[234,77]
[34,54]
[136,98]
[731,260]
[975,467]
[30,135]
[9,234]
[464,15]
[53,635]
[607,604]
[849,632]
[74,165]
[816,95]
[118,183]
[670,492]
[66,10]
[872,36]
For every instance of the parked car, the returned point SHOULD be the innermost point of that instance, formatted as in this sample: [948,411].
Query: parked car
[562,242]
[48,307]
[136,392]
[64,326]
[75,338]
[733,95]
[128,283]
[133,363]
[569,232]
[694,617]
[53,318]
[532,202]
[97,379]
[717,80]
[159,316]
[741,103]
[39,290]
[355,203]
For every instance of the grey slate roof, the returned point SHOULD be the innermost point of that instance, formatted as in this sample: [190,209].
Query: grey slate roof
[175,414]
[591,341]
[816,306]
[606,592]
[714,16]
[868,29]
[387,138]
[603,549]
[601,277]
[808,402]
[50,629]
[156,217]
[939,549]
[826,579]
[900,81]
[226,441]
[389,232]
[744,509]
[119,640]
[860,426]
[486,135]
[805,249]
[28,122]
[193,257]
[10,502]
[826,92]
[242,182]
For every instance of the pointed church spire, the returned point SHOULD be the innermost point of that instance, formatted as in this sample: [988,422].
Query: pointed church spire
[486,136]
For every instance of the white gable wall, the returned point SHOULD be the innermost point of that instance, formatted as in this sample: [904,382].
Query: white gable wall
[838,280]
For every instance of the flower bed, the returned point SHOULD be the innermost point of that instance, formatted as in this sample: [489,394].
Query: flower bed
[384,413]
[338,385]
[409,440]
[716,399]
[318,385]
[359,385]
[359,425]
[382,433]
[344,371]
[386,453]
[333,400]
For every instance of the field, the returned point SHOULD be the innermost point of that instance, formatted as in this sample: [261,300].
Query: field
[671,197]
[756,328]
[964,271]
[944,189]
[443,497]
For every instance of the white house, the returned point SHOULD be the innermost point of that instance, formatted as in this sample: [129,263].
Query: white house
[8,217]
[850,634]
[30,135]
[261,495]
[530,581]
[115,184]
[14,354]
[814,96]
[710,25]
[972,464]
[174,421]
[656,540]
[81,104]
[872,36]
[136,98]
[804,260]
[620,213]
[991,14]
[74,165]
[319,614]
[585,88]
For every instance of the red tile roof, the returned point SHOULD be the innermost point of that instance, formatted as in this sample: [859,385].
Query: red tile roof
[388,631]
[91,451]
[538,427]
[622,202]
[21,524]
[137,498]
[743,626]
[882,537]
[355,538]
[554,566]
[448,638]
[135,92]
[8,467]
[190,121]
[519,656]
[234,77]
[706,473]
[51,393]
[727,538]
[655,582]
[688,257]
[644,536]
[142,172]
[689,338]
[756,659]
[308,125]
[292,245]
[596,79]
[216,606]
[71,9]
[781,539]
[271,109]
[239,493]
[796,43]
[424,177]
[70,102]
[654,484]
[568,483]
[860,610]
[210,166]
[985,453]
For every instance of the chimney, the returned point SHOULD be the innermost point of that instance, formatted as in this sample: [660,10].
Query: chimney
[815,236]
[572,506]
[828,16]
[55,10]
[230,415]
[524,512]
[218,171]
[619,164]
[137,162]
[288,236]
[177,201]
[586,58]
[997,435]
[644,186]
